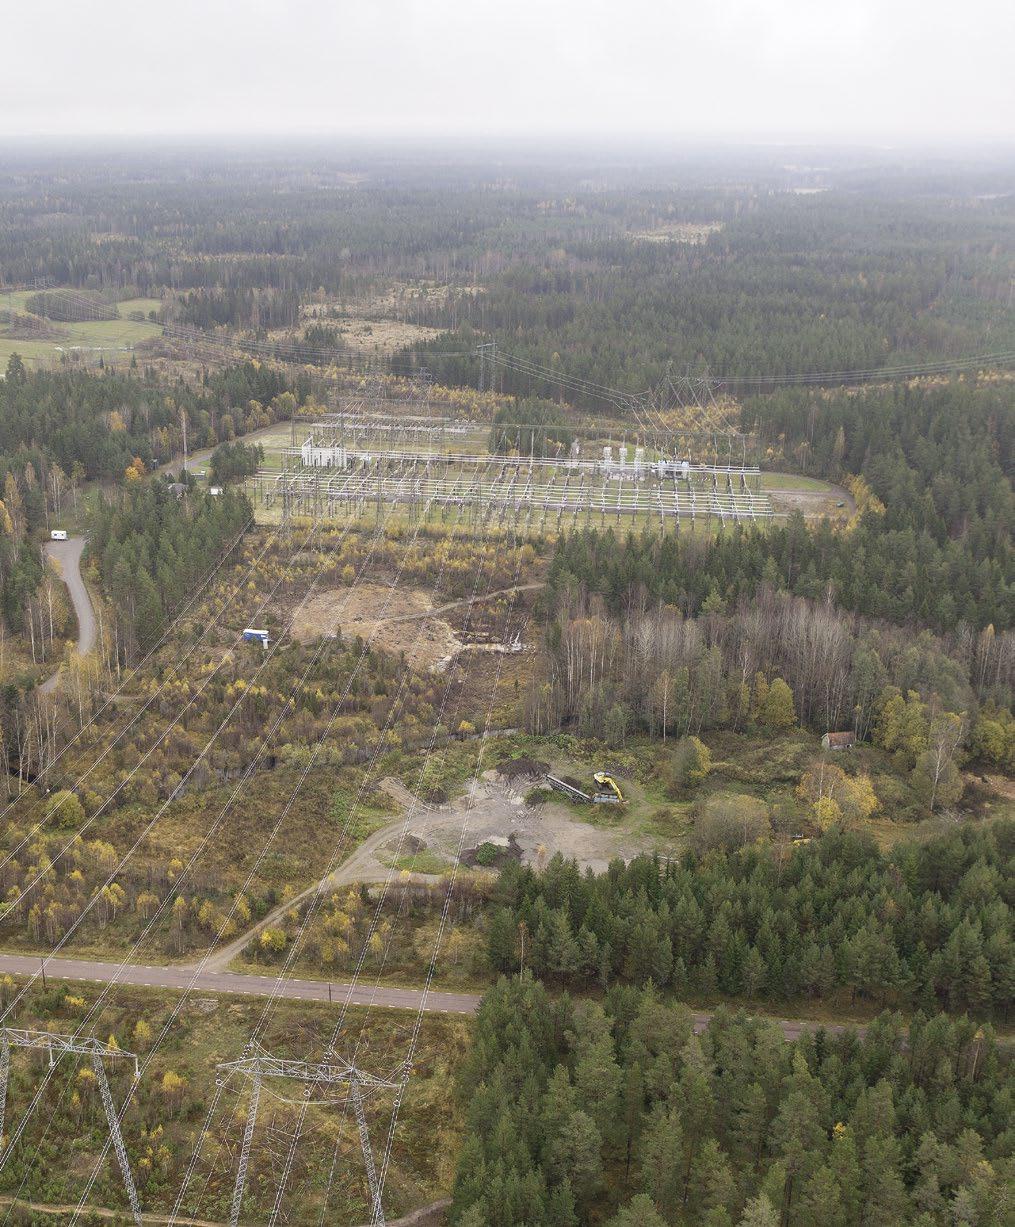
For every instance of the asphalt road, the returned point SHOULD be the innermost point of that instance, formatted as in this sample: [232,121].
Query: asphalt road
[68,555]
[178,978]
[237,982]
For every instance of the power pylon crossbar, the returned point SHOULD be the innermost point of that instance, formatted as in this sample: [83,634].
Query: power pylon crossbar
[57,1044]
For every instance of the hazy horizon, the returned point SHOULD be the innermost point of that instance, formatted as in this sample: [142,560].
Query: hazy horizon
[748,72]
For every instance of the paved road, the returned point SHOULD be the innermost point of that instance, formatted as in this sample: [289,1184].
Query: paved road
[294,990]
[236,982]
[68,555]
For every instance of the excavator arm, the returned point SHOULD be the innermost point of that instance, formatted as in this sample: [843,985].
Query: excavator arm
[607,784]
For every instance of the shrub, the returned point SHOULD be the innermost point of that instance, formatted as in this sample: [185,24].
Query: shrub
[487,854]
[729,821]
[538,796]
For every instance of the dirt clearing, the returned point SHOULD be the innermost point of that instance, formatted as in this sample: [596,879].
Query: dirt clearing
[395,620]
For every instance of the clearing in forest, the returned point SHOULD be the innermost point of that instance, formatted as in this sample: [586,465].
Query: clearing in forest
[391,617]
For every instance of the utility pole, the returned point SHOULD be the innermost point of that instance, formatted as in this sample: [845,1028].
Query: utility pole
[487,353]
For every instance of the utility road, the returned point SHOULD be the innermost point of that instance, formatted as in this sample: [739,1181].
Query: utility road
[68,555]
[178,978]
[237,982]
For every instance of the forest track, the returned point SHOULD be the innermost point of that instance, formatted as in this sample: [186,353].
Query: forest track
[362,865]
[68,555]
[416,1218]
[116,1216]
[467,600]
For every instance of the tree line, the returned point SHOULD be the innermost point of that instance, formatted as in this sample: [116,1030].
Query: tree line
[925,926]
[618,662]
[152,549]
[97,426]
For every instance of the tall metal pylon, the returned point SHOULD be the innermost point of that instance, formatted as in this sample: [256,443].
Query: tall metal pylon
[487,354]
[56,1046]
[261,1066]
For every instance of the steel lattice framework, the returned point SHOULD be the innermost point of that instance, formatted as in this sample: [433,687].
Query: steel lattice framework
[261,1066]
[56,1046]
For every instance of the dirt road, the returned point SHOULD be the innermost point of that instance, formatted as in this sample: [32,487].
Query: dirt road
[489,807]
[362,866]
[812,504]
[68,555]
[467,600]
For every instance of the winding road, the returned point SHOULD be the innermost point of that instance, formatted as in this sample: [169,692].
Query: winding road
[68,555]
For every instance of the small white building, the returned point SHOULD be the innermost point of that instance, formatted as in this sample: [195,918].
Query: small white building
[323,456]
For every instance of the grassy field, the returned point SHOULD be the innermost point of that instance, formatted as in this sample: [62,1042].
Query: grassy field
[65,1134]
[794,481]
[90,338]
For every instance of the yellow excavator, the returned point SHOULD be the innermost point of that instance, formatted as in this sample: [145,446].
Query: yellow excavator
[607,789]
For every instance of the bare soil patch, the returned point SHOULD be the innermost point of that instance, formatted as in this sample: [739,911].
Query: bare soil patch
[678,232]
[395,620]
[383,333]
[359,332]
[812,504]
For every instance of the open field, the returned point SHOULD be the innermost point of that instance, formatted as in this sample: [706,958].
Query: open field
[110,338]
[794,481]
[354,613]
[678,232]
[382,335]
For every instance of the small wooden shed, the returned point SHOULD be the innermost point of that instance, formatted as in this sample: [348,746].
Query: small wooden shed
[838,741]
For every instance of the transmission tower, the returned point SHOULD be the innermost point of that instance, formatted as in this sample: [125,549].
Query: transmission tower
[487,355]
[321,1077]
[56,1046]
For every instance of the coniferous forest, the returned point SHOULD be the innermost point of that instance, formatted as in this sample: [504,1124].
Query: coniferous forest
[773,985]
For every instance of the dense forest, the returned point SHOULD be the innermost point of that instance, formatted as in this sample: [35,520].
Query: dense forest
[97,426]
[576,1108]
[620,272]
[622,656]
[925,927]
[153,548]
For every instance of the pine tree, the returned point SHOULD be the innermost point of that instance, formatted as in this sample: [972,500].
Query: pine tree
[820,1200]
[661,1160]
[639,1212]
[759,1212]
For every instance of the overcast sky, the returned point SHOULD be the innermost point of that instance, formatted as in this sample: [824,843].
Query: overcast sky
[744,69]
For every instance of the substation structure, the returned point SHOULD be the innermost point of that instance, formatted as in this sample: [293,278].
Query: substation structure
[354,465]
